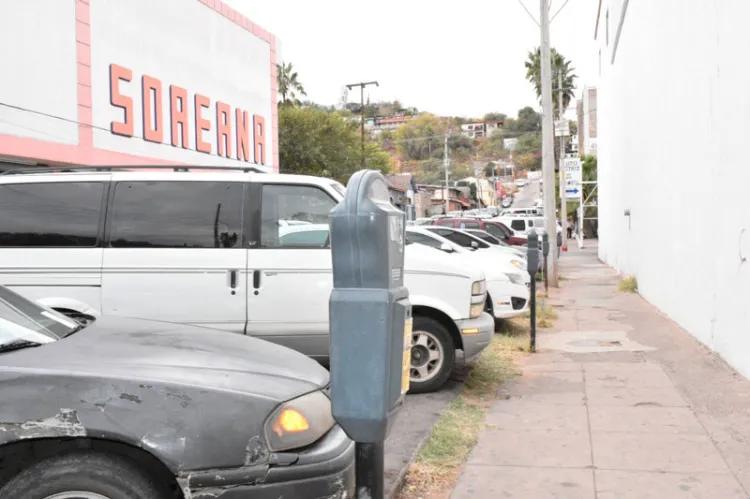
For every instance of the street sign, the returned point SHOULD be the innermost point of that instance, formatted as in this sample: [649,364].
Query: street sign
[573,171]
[562,128]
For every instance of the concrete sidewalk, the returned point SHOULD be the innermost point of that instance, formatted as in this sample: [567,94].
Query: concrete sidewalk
[619,403]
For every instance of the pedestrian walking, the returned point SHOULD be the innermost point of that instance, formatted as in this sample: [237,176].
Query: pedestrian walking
[569,227]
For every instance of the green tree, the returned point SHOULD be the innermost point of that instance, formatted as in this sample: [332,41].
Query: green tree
[560,67]
[421,138]
[315,142]
[528,121]
[528,161]
[289,85]
[495,117]
[493,147]
[472,188]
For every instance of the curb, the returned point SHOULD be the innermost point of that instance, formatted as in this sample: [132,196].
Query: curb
[398,483]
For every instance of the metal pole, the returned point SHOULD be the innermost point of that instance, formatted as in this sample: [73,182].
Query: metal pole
[362,112]
[362,125]
[446,163]
[563,187]
[370,470]
[548,137]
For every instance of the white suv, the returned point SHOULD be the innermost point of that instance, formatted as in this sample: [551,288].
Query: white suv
[224,250]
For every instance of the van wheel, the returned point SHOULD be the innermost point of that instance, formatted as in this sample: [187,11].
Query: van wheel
[82,476]
[433,355]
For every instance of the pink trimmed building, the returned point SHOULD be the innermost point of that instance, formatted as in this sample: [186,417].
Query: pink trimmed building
[135,82]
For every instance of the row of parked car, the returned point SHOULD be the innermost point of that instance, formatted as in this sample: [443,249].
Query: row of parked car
[164,334]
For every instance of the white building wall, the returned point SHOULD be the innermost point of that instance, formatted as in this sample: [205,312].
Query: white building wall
[38,70]
[181,43]
[673,122]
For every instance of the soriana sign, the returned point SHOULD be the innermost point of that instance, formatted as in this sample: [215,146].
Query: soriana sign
[234,134]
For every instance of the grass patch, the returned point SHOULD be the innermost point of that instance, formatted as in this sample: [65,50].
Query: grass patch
[628,284]
[437,465]
[545,315]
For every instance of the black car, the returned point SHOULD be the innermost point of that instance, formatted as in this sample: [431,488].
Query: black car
[131,409]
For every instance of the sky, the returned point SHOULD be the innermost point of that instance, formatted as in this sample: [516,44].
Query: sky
[452,58]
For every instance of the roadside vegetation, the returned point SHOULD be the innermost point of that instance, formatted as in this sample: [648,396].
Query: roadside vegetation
[628,284]
[438,464]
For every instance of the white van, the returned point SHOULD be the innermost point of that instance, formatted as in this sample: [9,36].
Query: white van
[225,250]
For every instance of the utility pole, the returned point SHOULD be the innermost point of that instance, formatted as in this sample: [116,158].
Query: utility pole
[362,101]
[548,140]
[563,187]
[446,164]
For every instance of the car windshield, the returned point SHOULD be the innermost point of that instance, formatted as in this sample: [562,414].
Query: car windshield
[22,321]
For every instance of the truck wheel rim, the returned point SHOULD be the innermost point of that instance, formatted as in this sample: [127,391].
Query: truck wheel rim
[427,356]
[77,495]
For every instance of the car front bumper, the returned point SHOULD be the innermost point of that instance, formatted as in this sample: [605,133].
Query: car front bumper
[476,342]
[324,470]
[508,299]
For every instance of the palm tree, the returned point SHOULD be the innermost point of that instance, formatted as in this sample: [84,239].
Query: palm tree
[289,85]
[560,66]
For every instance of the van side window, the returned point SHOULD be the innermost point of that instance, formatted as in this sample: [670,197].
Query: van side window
[177,215]
[288,211]
[518,225]
[469,225]
[53,215]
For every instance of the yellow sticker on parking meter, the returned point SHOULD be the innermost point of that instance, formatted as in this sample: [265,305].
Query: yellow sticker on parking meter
[406,366]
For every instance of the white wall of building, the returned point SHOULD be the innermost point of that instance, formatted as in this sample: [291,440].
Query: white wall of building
[674,121]
[182,43]
[38,70]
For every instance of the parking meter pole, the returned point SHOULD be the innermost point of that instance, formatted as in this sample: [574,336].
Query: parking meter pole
[370,470]
[370,322]
[533,261]
[545,252]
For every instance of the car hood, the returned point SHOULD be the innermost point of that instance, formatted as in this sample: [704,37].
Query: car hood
[166,353]
[419,258]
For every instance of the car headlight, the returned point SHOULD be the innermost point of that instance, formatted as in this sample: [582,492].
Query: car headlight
[517,263]
[516,278]
[479,287]
[299,422]
[476,310]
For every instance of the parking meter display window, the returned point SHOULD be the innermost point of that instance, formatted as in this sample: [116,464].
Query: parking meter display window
[289,212]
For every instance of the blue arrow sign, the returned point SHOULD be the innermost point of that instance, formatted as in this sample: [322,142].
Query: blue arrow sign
[572,191]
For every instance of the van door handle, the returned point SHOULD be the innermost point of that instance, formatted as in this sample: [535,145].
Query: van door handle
[256,280]
[232,277]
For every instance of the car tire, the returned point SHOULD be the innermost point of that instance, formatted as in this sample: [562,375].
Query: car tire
[98,475]
[430,339]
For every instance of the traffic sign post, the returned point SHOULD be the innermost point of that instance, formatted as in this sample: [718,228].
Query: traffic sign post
[370,322]
[573,178]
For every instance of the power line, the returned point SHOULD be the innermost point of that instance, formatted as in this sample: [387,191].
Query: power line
[528,12]
[558,10]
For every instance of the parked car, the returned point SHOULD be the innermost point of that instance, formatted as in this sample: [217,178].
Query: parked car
[494,227]
[490,239]
[507,293]
[507,202]
[214,249]
[520,182]
[518,264]
[126,408]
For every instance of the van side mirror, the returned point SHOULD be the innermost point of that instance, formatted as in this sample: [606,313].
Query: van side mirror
[474,244]
[447,248]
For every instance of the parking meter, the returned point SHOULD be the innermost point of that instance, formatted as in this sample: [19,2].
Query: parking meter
[545,244]
[533,256]
[533,252]
[370,312]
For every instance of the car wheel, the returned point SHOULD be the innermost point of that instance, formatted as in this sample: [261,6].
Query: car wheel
[433,355]
[82,476]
